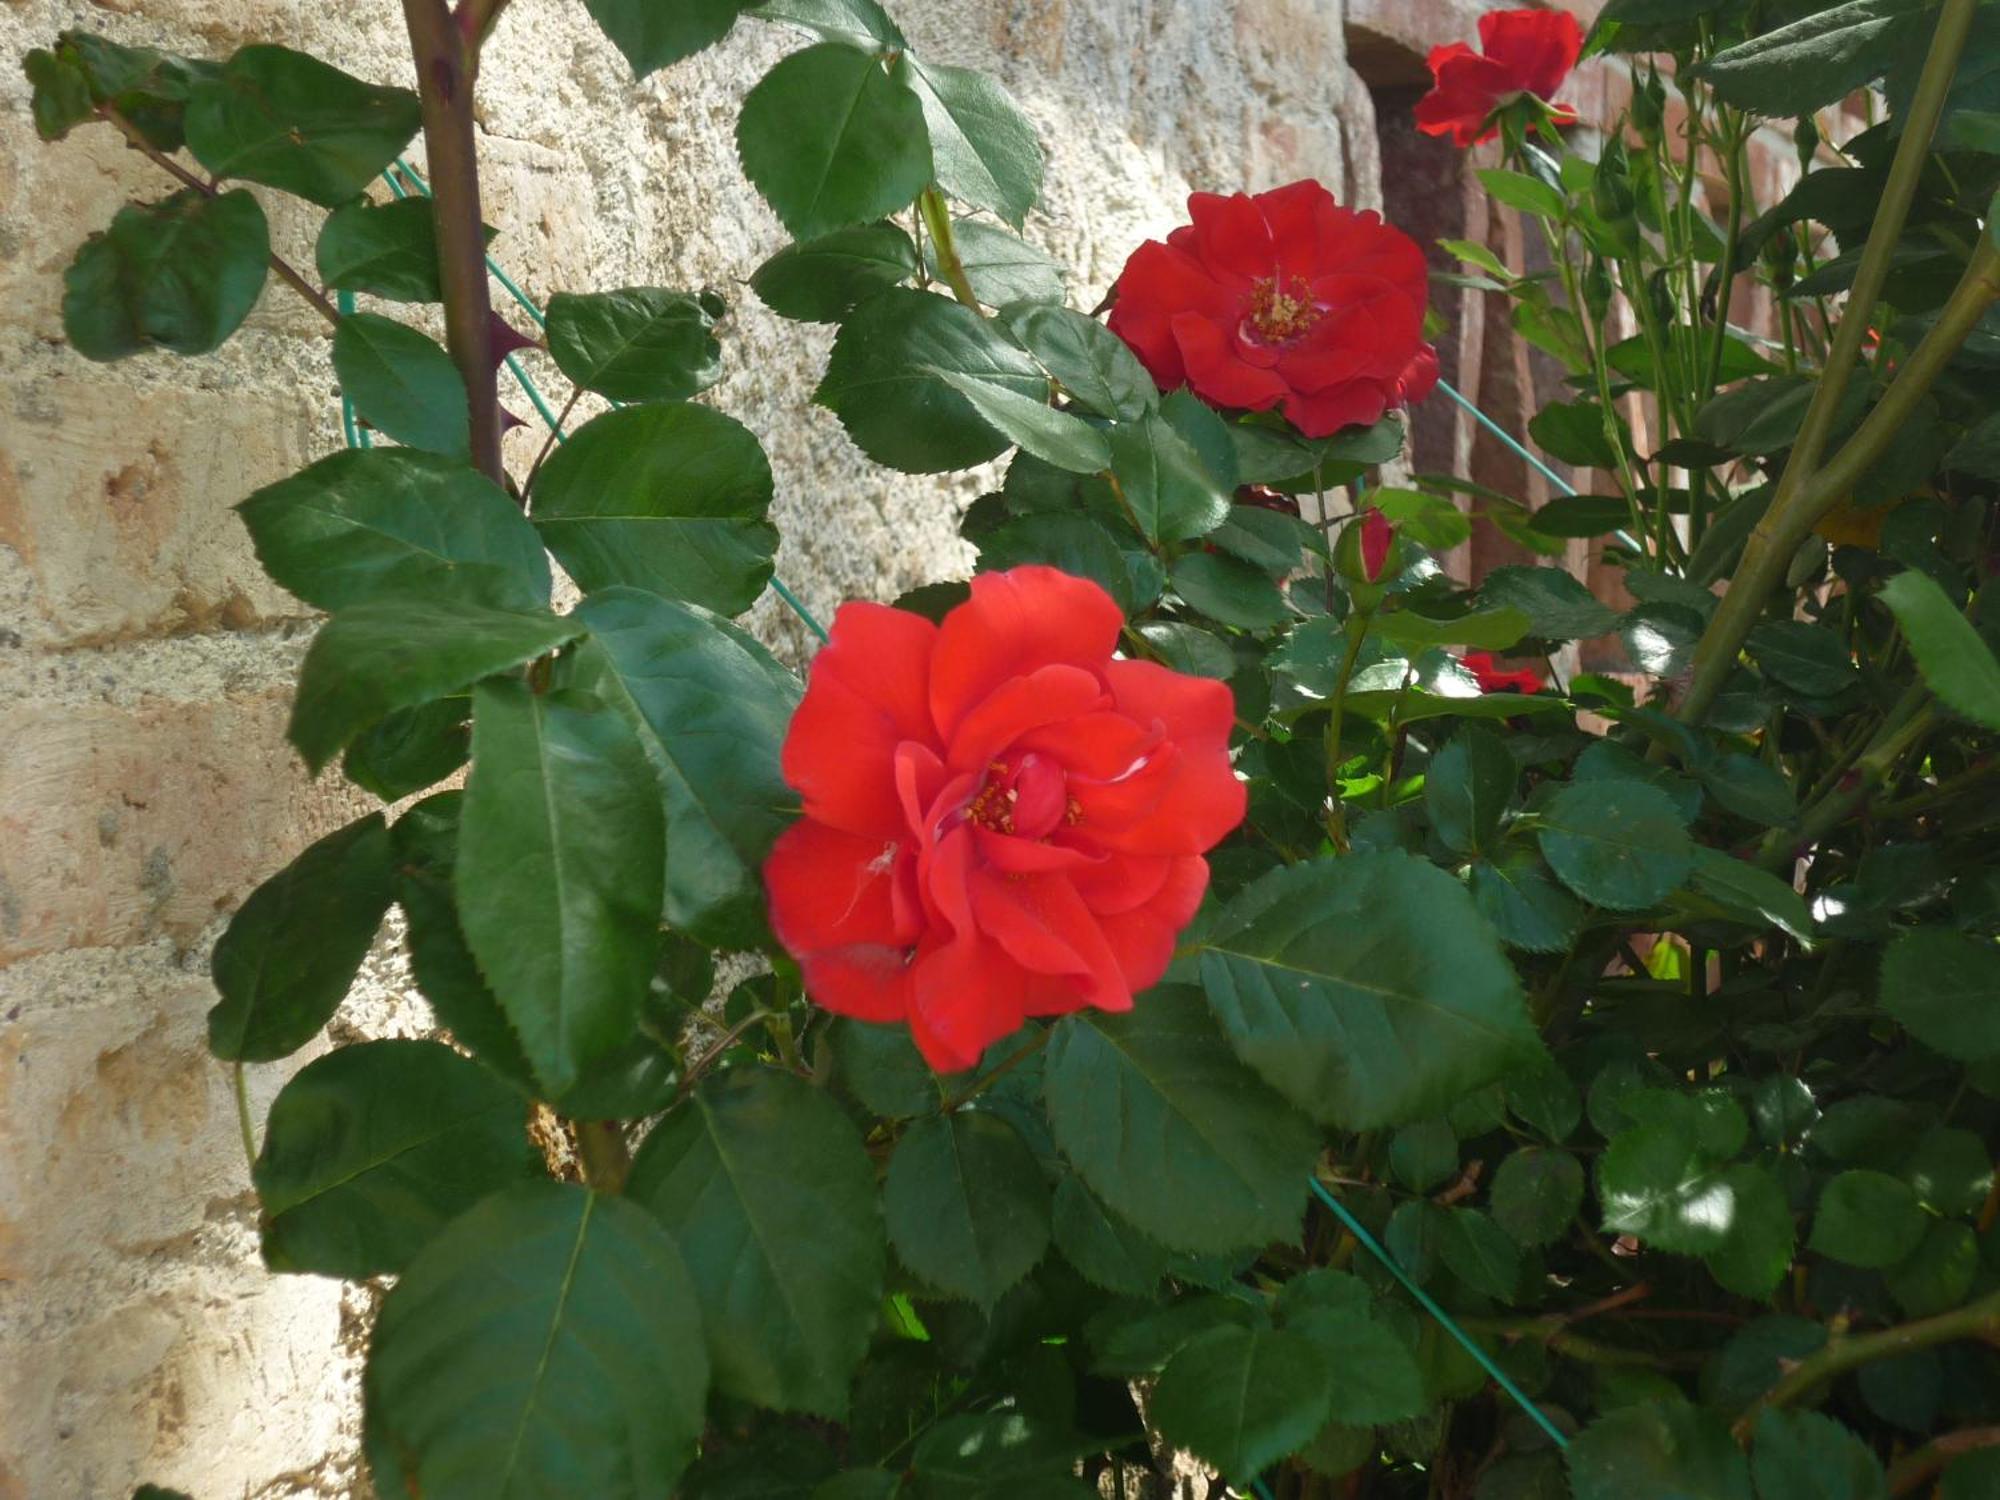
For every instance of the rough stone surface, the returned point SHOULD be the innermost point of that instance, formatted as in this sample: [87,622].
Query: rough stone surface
[145,787]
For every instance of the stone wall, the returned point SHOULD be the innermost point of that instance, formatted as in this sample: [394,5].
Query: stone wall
[145,787]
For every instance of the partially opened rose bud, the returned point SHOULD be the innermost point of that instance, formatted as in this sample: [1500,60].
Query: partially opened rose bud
[1378,532]
[1361,556]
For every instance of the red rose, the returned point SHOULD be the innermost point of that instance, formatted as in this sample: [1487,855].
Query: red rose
[1378,532]
[1282,298]
[1525,52]
[1494,678]
[1001,820]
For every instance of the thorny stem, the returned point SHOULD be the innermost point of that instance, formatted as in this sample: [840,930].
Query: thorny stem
[1336,814]
[937,224]
[702,1064]
[1912,1469]
[1980,1319]
[447,63]
[1908,722]
[284,269]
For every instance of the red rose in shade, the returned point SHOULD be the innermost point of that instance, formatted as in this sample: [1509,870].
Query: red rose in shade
[1001,820]
[1283,299]
[1522,52]
[1494,678]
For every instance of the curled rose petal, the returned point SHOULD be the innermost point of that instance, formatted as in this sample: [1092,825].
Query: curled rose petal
[1002,819]
[1521,52]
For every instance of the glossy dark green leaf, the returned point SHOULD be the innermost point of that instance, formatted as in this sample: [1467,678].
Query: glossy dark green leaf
[59,93]
[371,1149]
[1155,1114]
[1750,788]
[1536,1194]
[821,280]
[1812,62]
[1760,1238]
[652,35]
[669,498]
[1091,363]
[293,948]
[1944,987]
[830,139]
[966,1204]
[1557,606]
[561,860]
[882,381]
[1106,1251]
[711,707]
[546,1345]
[1810,659]
[861,23]
[1055,437]
[369,661]
[1001,267]
[1617,844]
[364,525]
[1951,1169]
[1243,1398]
[983,146]
[411,749]
[1868,1219]
[181,274]
[290,121]
[1574,432]
[1230,591]
[385,249]
[998,1455]
[1424,1155]
[1190,649]
[402,383]
[1366,989]
[1935,1277]
[1526,906]
[1661,1449]
[763,1181]
[150,88]
[1467,789]
[1956,661]
[1127,1339]
[1167,485]
[880,1068]
[1748,894]
[1084,546]
[1801,1455]
[1480,1254]
[640,343]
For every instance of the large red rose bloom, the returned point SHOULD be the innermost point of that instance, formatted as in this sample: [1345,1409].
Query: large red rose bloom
[1001,820]
[1283,299]
[1522,52]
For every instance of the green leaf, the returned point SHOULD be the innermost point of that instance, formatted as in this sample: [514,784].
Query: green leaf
[561,857]
[1424,1155]
[640,343]
[998,1455]
[181,274]
[711,707]
[653,35]
[1935,1277]
[1655,1182]
[1081,545]
[1951,1170]
[1810,659]
[1172,492]
[763,1181]
[1750,788]
[821,280]
[831,139]
[1944,988]
[966,1204]
[1375,1377]
[861,23]
[1486,629]
[1582,515]
[1801,1455]
[293,948]
[1536,1194]
[148,87]
[1480,1254]
[1975,1476]
[1055,437]
[1574,432]
[385,249]
[1618,844]
[1243,1398]
[382,524]
[1867,1219]
[1760,1238]
[290,121]
[1810,63]
[1155,1114]
[983,146]
[372,1148]
[1557,606]
[402,383]
[669,498]
[1367,989]
[1751,895]
[1467,789]
[1957,663]
[1087,359]
[369,661]
[1003,268]
[1662,1449]
[411,749]
[1526,907]
[1230,591]
[1267,539]
[547,1344]
[883,382]
[1105,1250]
[59,94]
[880,1068]
[1519,191]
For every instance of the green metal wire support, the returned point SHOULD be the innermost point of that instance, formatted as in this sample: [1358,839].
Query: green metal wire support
[1506,438]
[357,435]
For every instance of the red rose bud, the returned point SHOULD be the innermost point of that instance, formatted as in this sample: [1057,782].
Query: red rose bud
[1494,678]
[1285,300]
[1521,52]
[1002,819]
[1378,534]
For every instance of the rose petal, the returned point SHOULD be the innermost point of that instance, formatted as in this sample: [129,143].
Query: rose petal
[867,692]
[1537,47]
[1047,695]
[830,889]
[1015,622]
[1231,237]
[1216,366]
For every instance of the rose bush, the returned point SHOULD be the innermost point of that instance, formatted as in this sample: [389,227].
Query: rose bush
[1201,1006]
